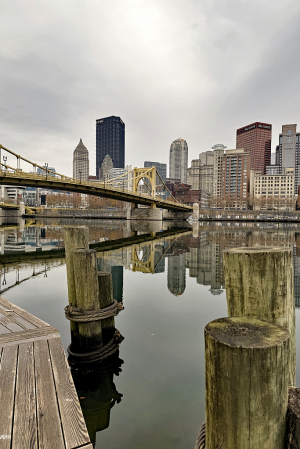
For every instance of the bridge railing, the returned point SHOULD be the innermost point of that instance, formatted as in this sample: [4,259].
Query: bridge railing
[54,178]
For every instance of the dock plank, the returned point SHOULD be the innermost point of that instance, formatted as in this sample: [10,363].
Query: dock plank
[73,424]
[23,336]
[24,435]
[39,403]
[50,434]
[6,305]
[9,324]
[4,330]
[8,369]
[18,319]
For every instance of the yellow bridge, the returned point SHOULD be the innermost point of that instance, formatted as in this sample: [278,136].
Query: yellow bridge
[15,176]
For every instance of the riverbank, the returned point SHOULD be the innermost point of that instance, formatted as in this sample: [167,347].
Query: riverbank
[251,216]
[204,215]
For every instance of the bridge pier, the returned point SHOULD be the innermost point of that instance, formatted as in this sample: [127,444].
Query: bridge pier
[146,213]
[12,214]
[170,215]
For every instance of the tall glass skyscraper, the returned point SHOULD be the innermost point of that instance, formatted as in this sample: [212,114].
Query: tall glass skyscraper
[178,160]
[110,139]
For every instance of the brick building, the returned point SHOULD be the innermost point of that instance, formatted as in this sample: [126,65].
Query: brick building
[184,194]
[256,140]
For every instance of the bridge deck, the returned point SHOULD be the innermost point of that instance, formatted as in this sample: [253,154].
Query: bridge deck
[24,179]
[39,403]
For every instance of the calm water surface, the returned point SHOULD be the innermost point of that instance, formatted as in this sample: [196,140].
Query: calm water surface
[170,289]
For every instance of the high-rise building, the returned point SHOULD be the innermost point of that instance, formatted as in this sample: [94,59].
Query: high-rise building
[217,169]
[161,168]
[40,171]
[106,166]
[273,191]
[288,152]
[236,178]
[287,146]
[206,171]
[256,140]
[110,139]
[81,162]
[178,160]
[121,177]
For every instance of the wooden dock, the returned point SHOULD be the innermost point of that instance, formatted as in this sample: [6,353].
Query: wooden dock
[39,404]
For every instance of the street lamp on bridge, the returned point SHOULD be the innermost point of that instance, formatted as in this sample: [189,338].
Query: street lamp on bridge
[46,167]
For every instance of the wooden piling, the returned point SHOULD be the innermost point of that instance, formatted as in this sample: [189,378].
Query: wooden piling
[75,237]
[89,336]
[293,419]
[106,299]
[259,283]
[246,384]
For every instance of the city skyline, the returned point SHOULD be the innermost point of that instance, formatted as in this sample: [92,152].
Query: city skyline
[56,81]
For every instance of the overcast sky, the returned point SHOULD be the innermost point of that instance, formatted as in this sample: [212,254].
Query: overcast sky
[195,69]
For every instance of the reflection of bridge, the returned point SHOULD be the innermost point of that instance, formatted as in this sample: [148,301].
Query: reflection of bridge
[37,267]
[145,257]
[50,180]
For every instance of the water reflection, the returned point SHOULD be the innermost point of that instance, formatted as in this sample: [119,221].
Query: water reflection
[199,251]
[14,274]
[189,287]
[97,393]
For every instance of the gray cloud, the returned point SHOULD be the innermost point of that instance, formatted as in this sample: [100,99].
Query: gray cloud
[170,69]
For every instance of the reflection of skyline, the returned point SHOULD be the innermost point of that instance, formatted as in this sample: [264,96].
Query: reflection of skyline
[117,276]
[200,252]
[204,252]
[176,274]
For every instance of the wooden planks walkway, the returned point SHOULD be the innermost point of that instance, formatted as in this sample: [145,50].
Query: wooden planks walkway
[39,404]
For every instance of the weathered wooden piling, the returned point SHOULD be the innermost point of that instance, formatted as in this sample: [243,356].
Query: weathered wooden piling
[259,283]
[89,336]
[106,299]
[75,237]
[293,419]
[246,384]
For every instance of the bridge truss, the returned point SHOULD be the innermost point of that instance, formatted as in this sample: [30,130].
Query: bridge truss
[112,188]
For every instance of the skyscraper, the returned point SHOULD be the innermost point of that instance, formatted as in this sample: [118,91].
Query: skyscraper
[161,168]
[219,149]
[80,162]
[287,147]
[288,152]
[178,160]
[106,166]
[256,140]
[235,178]
[110,139]
[202,172]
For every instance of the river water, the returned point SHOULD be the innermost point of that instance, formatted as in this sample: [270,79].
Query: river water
[153,395]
